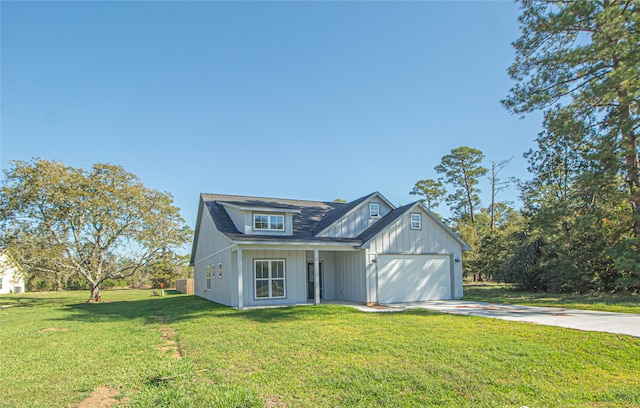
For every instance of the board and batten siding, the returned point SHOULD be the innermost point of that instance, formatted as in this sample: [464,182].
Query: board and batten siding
[328,261]
[211,241]
[239,218]
[295,277]
[354,223]
[399,238]
[351,276]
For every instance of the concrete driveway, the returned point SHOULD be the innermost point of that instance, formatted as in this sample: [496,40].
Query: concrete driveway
[620,323]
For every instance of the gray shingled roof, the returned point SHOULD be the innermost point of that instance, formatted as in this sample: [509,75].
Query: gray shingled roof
[312,214]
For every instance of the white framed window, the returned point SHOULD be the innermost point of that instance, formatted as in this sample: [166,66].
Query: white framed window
[268,222]
[220,270]
[374,210]
[416,221]
[269,278]
[209,276]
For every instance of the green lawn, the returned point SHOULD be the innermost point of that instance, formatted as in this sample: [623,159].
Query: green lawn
[183,351]
[501,293]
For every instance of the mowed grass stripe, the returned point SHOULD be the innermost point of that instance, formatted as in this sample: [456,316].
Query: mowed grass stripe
[319,356]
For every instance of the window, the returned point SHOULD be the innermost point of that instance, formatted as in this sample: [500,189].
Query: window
[269,278]
[268,222]
[209,276]
[220,270]
[374,210]
[416,221]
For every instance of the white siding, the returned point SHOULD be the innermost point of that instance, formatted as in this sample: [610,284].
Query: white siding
[399,238]
[12,281]
[355,222]
[295,277]
[351,276]
[211,241]
[239,219]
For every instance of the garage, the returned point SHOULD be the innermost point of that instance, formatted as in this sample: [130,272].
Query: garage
[411,278]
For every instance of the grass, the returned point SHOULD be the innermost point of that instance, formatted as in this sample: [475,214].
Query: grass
[502,293]
[183,351]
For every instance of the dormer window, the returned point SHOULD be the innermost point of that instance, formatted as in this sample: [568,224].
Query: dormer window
[416,222]
[374,210]
[265,222]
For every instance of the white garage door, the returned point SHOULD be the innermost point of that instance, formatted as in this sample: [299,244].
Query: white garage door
[411,278]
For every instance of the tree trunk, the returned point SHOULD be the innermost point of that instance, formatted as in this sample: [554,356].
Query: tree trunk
[58,282]
[630,150]
[95,293]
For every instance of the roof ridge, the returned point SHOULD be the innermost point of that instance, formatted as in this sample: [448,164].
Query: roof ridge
[267,198]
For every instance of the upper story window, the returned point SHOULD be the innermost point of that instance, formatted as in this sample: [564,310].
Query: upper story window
[374,210]
[268,222]
[416,221]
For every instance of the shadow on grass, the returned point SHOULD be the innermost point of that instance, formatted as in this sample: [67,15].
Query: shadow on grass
[29,300]
[499,293]
[176,307]
[155,309]
[292,313]
[120,305]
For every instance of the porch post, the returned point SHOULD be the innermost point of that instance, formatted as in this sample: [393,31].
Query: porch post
[240,287]
[316,276]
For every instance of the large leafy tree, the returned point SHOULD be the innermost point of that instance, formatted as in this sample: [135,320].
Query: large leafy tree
[581,59]
[101,223]
[462,169]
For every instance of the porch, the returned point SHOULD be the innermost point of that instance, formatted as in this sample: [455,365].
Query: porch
[284,276]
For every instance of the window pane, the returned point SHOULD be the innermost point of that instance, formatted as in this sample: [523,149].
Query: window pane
[277,287]
[260,222]
[277,222]
[277,269]
[262,288]
[262,269]
[374,210]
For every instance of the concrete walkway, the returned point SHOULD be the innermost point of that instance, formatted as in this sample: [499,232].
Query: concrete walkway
[620,323]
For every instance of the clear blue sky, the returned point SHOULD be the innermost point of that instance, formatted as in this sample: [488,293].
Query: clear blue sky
[308,100]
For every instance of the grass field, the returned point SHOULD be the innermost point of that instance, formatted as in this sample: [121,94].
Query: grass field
[183,351]
[501,293]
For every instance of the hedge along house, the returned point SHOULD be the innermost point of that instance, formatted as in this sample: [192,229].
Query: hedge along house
[252,251]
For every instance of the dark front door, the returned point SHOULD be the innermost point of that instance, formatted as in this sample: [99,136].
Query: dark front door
[311,281]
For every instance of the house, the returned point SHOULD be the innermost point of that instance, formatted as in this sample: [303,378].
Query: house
[252,251]
[11,278]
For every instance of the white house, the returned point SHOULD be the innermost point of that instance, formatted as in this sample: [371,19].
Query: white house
[253,251]
[11,280]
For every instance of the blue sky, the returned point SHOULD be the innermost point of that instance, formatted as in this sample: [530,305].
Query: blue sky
[308,100]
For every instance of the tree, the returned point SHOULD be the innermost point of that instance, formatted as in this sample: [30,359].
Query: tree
[497,185]
[581,58]
[101,223]
[462,169]
[432,190]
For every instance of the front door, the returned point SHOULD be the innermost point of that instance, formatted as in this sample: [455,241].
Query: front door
[311,281]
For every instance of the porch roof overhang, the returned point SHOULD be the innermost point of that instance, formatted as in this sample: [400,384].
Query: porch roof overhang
[297,244]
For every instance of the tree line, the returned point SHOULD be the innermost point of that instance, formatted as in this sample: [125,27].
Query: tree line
[579,229]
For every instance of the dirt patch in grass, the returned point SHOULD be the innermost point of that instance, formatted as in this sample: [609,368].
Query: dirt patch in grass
[274,402]
[102,397]
[54,329]
[170,346]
